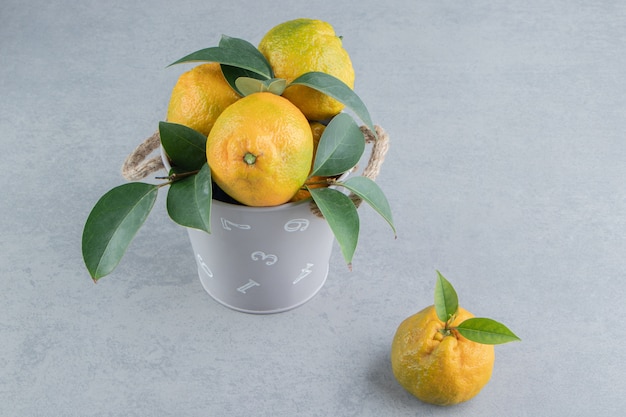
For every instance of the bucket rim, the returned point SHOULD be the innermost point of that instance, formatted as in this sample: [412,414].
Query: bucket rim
[242,207]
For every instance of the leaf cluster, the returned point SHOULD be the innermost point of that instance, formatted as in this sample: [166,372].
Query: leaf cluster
[119,214]
[476,329]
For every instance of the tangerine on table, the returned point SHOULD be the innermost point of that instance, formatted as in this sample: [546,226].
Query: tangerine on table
[438,369]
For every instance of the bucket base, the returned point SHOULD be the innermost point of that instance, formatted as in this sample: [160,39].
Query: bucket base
[252,311]
[263,260]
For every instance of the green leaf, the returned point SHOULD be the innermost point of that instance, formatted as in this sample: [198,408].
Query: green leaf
[189,200]
[342,217]
[244,47]
[232,73]
[446,299]
[112,225]
[372,194]
[276,86]
[340,147]
[235,53]
[247,85]
[486,331]
[185,147]
[337,89]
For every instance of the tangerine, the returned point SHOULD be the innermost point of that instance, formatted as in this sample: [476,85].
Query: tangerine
[437,368]
[298,46]
[260,150]
[199,97]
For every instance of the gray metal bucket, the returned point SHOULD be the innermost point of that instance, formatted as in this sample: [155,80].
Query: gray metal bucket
[263,259]
[260,260]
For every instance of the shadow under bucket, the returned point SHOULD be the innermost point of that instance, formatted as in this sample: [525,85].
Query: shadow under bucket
[263,259]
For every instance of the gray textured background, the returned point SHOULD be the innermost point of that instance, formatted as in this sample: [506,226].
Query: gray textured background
[506,172]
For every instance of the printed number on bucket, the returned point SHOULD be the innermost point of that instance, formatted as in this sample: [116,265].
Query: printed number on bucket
[251,283]
[228,225]
[204,266]
[262,256]
[305,272]
[296,225]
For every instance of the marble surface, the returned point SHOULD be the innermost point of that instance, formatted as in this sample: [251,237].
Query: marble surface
[506,172]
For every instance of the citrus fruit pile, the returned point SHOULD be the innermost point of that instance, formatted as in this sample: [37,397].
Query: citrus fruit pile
[443,354]
[258,126]
[260,137]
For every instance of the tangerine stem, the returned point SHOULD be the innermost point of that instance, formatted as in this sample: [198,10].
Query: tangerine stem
[249,158]
[317,183]
[175,177]
[445,331]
